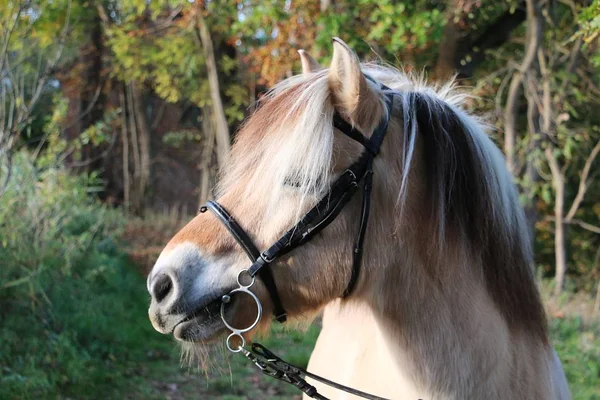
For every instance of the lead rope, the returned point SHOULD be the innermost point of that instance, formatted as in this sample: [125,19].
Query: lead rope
[273,366]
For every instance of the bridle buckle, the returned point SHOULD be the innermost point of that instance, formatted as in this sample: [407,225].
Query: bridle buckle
[266,258]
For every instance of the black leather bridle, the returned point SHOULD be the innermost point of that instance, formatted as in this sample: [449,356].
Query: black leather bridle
[320,216]
[313,222]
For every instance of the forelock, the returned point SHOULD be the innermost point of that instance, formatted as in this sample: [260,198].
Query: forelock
[287,144]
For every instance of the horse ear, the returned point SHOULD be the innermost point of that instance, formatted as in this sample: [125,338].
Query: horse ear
[309,64]
[349,88]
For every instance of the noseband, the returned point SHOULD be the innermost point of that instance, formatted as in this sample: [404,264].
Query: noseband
[313,222]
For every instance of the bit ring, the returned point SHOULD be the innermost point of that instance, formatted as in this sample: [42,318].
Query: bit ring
[237,332]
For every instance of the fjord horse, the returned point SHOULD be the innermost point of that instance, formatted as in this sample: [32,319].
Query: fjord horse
[445,306]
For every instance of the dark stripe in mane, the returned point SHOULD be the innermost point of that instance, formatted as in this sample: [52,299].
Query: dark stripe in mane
[465,191]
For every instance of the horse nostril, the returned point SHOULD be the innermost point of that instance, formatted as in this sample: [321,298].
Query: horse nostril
[162,287]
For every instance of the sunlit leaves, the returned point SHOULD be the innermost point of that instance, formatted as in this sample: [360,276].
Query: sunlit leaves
[404,26]
[167,59]
[178,139]
[589,18]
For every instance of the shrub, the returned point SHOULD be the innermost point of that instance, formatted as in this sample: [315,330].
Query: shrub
[578,348]
[73,313]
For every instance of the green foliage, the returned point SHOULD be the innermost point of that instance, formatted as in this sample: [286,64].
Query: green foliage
[180,139]
[100,132]
[171,62]
[167,55]
[405,25]
[578,348]
[72,312]
[589,19]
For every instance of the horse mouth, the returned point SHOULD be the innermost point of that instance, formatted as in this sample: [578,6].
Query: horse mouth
[202,324]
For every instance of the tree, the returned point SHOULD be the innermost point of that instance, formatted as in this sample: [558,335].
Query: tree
[561,128]
[31,47]
[204,37]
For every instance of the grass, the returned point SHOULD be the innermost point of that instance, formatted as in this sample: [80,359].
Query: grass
[73,311]
[578,347]
[89,336]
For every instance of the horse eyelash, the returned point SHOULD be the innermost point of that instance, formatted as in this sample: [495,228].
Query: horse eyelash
[295,182]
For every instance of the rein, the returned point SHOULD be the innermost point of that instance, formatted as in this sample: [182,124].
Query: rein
[315,220]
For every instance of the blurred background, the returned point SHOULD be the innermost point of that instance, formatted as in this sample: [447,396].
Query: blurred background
[115,116]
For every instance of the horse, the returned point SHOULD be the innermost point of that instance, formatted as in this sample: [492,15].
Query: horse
[445,305]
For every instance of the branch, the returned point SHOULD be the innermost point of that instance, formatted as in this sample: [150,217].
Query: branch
[590,84]
[83,163]
[585,225]
[166,23]
[8,170]
[41,82]
[500,94]
[571,66]
[546,105]
[553,164]
[89,107]
[583,182]
[23,111]
[534,21]
[159,115]
[7,35]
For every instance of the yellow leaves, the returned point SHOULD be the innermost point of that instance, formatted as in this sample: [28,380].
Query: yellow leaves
[165,88]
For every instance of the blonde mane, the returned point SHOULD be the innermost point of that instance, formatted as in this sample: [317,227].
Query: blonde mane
[471,194]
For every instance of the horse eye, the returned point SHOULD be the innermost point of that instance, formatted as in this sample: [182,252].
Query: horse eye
[297,183]
[293,182]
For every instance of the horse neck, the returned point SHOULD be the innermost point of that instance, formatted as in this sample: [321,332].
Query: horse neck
[432,314]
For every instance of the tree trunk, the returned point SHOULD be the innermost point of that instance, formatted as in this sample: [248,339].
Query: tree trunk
[125,141]
[560,250]
[559,238]
[220,122]
[534,35]
[597,301]
[135,150]
[531,176]
[91,98]
[143,131]
[596,309]
[445,66]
